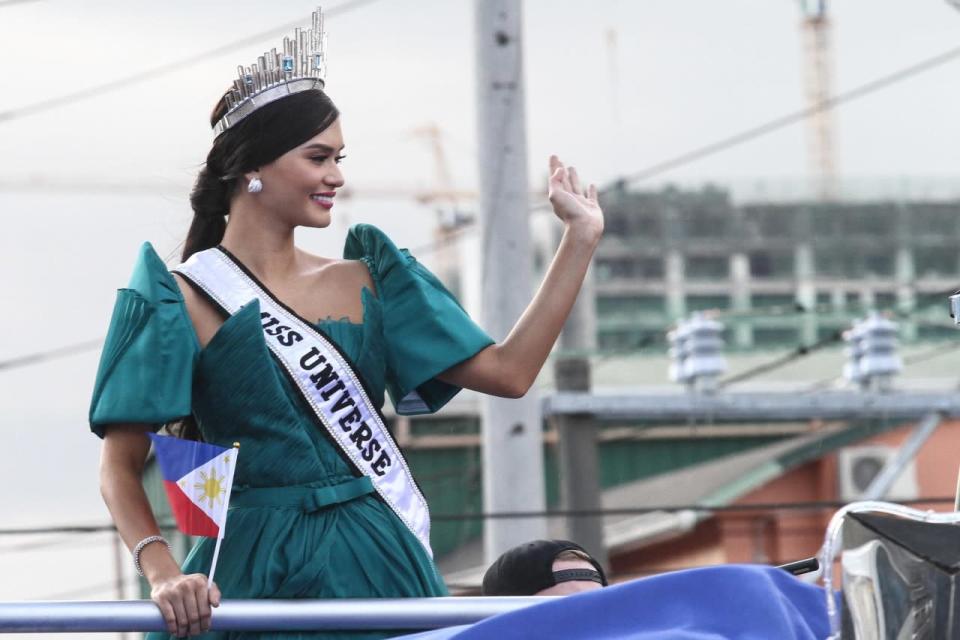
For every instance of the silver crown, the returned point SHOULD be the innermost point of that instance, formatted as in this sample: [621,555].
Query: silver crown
[301,66]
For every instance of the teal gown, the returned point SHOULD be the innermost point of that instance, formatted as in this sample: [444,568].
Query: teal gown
[278,543]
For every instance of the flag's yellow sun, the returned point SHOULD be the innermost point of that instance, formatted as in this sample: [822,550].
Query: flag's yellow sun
[211,488]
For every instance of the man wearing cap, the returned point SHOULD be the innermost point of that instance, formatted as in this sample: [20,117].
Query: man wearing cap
[544,568]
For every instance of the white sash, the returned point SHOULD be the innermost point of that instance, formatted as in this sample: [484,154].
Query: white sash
[326,380]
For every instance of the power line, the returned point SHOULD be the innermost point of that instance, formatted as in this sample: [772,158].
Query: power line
[603,356]
[791,118]
[930,355]
[640,344]
[53,354]
[164,69]
[59,541]
[810,505]
[814,505]
[28,531]
[800,351]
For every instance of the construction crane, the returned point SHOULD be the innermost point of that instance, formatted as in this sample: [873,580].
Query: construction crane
[818,78]
[451,218]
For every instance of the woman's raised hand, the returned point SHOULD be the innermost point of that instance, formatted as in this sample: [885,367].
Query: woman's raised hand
[575,205]
[185,602]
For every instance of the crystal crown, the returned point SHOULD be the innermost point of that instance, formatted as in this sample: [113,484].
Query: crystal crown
[300,66]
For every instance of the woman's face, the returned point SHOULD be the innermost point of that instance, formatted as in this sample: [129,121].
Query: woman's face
[300,185]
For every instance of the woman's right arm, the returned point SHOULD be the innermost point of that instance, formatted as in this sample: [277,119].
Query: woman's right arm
[183,599]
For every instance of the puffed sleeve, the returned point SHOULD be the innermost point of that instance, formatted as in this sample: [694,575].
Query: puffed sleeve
[425,329]
[146,368]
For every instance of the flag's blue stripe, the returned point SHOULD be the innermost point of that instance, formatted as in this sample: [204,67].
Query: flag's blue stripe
[178,457]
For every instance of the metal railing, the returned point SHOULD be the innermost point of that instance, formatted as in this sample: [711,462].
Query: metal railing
[262,615]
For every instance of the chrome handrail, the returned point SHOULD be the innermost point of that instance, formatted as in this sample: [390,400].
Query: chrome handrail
[261,615]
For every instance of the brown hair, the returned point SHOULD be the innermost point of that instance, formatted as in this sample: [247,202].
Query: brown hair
[259,139]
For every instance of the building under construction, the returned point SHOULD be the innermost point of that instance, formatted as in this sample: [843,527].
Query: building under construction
[783,274]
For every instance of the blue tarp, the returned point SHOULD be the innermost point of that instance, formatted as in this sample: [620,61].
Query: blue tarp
[729,601]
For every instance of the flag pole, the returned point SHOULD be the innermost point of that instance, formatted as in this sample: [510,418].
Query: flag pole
[213,564]
[223,522]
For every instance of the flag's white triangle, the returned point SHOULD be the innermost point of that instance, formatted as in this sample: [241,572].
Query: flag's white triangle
[208,486]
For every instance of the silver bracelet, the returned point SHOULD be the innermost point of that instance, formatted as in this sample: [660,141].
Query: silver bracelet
[140,545]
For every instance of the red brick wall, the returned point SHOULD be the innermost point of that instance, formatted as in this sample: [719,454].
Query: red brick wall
[776,537]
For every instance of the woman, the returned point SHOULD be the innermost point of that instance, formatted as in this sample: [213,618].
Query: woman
[173,353]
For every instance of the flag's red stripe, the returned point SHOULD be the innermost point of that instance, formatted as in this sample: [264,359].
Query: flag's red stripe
[190,518]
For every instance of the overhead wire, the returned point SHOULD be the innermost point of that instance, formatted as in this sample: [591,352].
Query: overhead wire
[53,354]
[780,122]
[791,118]
[604,356]
[930,300]
[800,505]
[801,351]
[933,353]
[62,540]
[813,505]
[166,68]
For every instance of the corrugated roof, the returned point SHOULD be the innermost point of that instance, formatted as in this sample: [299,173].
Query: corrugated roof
[710,484]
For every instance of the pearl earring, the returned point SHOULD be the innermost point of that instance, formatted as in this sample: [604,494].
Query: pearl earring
[255,186]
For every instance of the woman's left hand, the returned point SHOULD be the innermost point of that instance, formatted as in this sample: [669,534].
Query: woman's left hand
[575,206]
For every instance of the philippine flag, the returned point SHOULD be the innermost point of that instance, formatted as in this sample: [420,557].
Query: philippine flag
[198,478]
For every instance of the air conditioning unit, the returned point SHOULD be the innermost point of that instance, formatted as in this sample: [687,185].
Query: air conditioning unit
[858,466]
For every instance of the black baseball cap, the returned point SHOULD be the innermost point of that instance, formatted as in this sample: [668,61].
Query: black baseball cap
[528,569]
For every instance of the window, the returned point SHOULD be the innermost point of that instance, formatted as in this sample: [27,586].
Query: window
[830,262]
[706,222]
[876,221]
[615,224]
[934,332]
[644,226]
[775,337]
[624,340]
[631,305]
[824,223]
[771,222]
[830,332]
[629,268]
[766,300]
[706,303]
[651,268]
[934,220]
[885,300]
[879,264]
[935,261]
[707,267]
[766,264]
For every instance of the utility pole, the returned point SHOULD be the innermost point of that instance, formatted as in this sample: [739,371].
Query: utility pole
[512,432]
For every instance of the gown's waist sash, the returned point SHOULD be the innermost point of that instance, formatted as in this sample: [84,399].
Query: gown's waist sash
[307,499]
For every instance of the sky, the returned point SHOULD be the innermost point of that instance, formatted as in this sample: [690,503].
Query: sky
[683,73]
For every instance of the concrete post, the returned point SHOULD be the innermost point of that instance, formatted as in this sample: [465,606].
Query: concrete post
[512,432]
